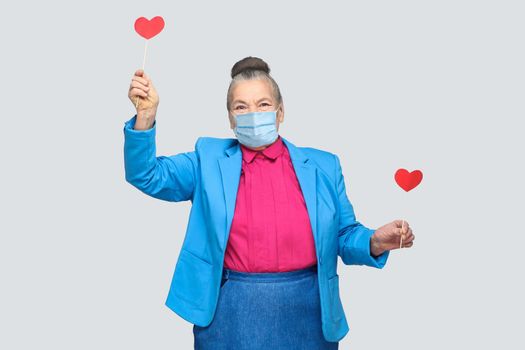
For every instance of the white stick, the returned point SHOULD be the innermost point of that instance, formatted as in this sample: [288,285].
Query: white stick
[401,242]
[143,64]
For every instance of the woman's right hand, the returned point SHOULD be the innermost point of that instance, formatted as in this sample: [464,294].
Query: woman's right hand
[142,88]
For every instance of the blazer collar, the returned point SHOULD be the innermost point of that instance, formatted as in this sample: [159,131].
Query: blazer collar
[273,151]
[298,156]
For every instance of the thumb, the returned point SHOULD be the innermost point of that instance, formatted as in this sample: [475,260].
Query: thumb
[399,223]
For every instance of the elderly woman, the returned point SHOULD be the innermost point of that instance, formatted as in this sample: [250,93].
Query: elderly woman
[258,265]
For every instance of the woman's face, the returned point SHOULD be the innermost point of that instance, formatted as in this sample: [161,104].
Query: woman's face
[254,96]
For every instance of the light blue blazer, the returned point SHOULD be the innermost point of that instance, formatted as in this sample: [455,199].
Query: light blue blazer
[209,178]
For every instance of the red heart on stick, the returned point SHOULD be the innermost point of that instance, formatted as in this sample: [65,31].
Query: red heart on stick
[149,28]
[408,180]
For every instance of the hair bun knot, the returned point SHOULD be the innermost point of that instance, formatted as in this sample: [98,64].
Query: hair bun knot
[250,63]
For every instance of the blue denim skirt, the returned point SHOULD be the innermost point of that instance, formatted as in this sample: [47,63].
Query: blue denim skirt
[266,310]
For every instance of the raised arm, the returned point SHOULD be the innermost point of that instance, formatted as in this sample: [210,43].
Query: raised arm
[170,178]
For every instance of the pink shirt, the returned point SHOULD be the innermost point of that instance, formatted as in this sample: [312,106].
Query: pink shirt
[271,229]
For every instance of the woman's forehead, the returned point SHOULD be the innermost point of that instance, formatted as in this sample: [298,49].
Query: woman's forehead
[251,90]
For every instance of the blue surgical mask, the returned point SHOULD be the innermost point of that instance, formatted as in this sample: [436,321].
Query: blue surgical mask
[256,129]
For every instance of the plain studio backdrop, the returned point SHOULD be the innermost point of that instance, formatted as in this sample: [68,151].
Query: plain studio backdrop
[86,259]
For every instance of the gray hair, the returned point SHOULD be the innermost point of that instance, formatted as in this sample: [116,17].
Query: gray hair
[252,68]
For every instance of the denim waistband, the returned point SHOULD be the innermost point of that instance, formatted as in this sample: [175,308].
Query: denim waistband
[268,276]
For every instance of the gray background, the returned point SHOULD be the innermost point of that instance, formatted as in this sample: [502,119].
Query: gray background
[86,259]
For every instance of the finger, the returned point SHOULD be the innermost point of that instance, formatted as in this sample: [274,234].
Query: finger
[407,237]
[405,232]
[406,227]
[140,80]
[148,79]
[139,72]
[138,92]
[399,231]
[139,85]
[406,244]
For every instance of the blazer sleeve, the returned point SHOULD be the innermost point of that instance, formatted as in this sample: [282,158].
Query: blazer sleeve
[353,237]
[169,178]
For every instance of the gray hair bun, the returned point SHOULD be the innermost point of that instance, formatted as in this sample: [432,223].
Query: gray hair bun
[249,64]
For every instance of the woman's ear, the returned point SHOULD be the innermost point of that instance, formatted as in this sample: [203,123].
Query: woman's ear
[280,113]
[231,117]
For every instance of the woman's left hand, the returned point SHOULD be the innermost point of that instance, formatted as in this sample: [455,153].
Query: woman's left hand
[388,237]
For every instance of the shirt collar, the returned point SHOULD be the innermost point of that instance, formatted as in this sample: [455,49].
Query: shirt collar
[273,151]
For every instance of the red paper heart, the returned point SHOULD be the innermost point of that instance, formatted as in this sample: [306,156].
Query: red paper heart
[407,180]
[149,28]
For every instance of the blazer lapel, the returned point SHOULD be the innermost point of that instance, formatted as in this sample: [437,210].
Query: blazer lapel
[305,170]
[230,167]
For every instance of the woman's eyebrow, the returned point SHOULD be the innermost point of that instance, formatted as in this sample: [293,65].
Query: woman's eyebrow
[241,101]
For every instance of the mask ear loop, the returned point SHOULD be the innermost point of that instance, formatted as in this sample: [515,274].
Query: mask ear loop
[277,110]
